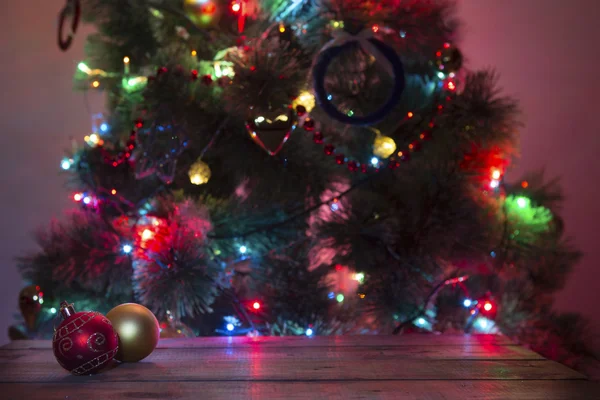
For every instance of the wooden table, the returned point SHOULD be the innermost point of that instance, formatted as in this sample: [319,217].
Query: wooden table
[337,367]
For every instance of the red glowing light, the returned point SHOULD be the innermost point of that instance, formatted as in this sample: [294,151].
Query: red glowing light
[235,7]
[77,196]
[375,28]
[524,184]
[446,45]
[256,305]
[210,8]
[487,306]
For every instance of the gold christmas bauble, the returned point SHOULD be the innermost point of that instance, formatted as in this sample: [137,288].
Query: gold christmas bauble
[30,304]
[383,146]
[138,331]
[199,172]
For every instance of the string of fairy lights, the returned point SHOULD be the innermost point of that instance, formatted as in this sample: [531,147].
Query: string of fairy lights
[386,153]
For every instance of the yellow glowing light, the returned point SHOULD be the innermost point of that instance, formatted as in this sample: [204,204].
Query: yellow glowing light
[114,191]
[496,174]
[126,60]
[383,146]
[260,119]
[94,138]
[400,154]
[194,52]
[281,28]
[361,295]
[147,234]
[282,117]
[156,222]
[95,84]
[199,173]
[410,114]
[306,99]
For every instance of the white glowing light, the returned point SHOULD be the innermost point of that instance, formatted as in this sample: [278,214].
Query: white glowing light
[147,234]
[467,303]
[243,249]
[230,327]
[309,332]
[127,249]
[65,164]
[375,161]
[128,329]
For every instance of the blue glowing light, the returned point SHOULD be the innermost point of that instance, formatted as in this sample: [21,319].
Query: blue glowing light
[334,207]
[87,199]
[230,327]
[329,97]
[331,295]
[402,34]
[309,332]
[243,249]
[467,303]
[493,254]
[375,161]
[127,248]
[103,127]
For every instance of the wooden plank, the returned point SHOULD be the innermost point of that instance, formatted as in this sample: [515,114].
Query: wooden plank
[467,352]
[177,365]
[405,390]
[303,341]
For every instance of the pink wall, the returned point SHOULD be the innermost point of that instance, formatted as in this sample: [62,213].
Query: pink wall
[544,50]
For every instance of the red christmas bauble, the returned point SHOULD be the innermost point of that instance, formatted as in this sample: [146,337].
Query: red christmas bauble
[84,342]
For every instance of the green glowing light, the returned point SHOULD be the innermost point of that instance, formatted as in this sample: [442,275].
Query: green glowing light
[350,113]
[339,298]
[525,217]
[522,202]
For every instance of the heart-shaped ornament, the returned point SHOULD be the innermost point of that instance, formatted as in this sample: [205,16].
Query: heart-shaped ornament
[271,129]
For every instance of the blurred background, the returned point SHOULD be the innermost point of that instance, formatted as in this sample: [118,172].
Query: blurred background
[546,52]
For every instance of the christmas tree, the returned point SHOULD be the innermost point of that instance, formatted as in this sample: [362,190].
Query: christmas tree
[299,167]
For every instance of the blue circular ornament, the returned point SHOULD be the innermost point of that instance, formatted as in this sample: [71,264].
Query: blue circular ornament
[324,100]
